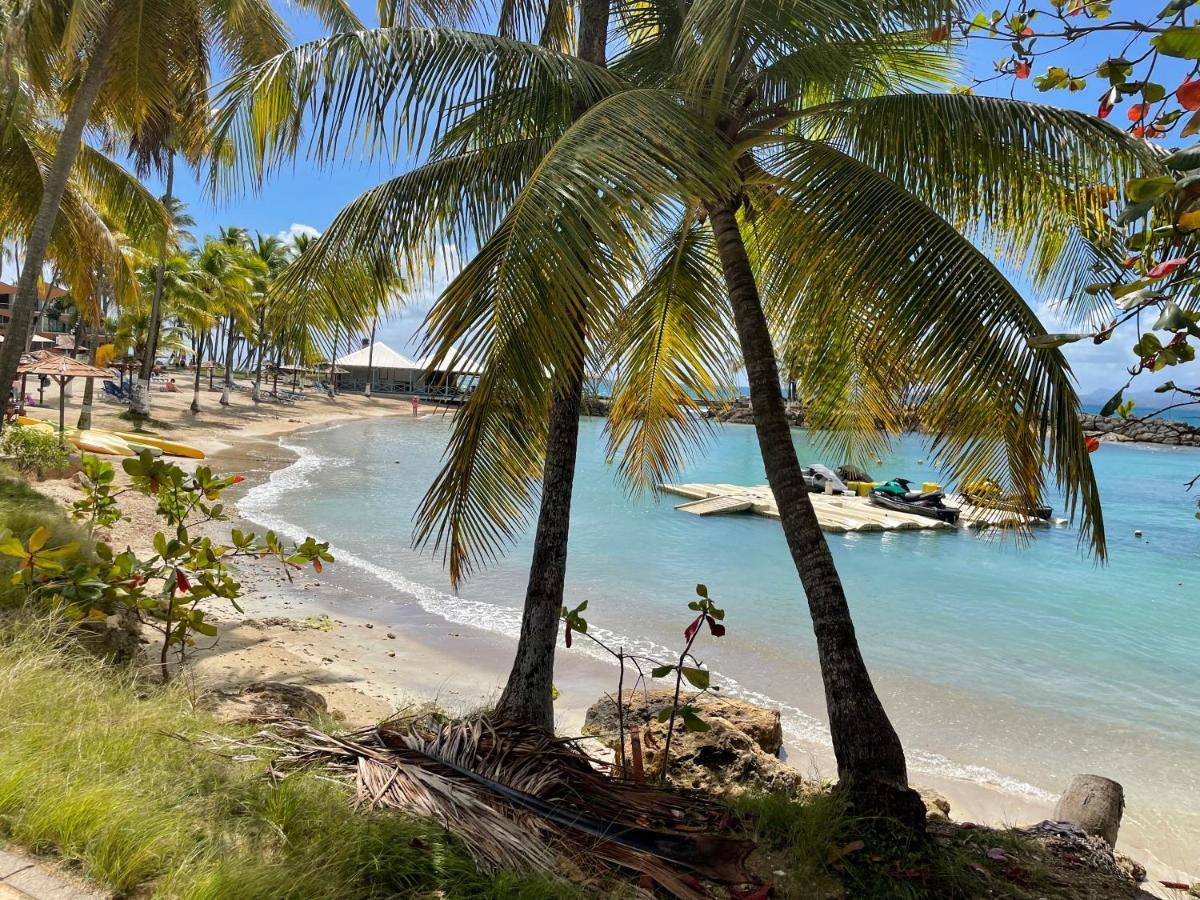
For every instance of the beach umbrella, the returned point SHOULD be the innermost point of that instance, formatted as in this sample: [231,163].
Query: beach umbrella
[61,368]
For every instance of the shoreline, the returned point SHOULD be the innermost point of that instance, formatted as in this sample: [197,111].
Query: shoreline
[367,668]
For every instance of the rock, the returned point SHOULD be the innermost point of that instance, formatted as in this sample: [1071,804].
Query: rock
[1094,804]
[937,807]
[264,700]
[641,707]
[736,754]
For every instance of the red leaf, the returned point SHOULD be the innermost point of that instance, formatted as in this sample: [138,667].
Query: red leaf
[1138,111]
[715,627]
[939,34]
[1026,31]
[1165,268]
[317,565]
[1139,131]
[236,479]
[567,633]
[1189,94]
[691,629]
[1092,445]
[1022,70]
[181,582]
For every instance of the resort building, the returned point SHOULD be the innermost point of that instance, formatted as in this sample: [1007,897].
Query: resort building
[389,372]
[53,321]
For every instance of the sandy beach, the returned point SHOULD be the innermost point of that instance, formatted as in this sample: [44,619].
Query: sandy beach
[314,630]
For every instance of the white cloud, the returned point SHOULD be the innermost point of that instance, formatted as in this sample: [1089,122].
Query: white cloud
[1100,369]
[289,234]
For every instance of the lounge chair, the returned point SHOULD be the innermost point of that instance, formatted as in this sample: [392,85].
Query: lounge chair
[111,390]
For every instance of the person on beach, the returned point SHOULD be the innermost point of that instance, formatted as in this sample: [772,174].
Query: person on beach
[416,403]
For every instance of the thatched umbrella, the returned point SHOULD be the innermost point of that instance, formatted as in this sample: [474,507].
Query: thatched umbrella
[61,368]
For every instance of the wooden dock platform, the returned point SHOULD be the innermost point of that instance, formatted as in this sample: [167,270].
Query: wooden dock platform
[835,513]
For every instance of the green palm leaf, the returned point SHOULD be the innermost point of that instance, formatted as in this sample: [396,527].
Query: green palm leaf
[946,331]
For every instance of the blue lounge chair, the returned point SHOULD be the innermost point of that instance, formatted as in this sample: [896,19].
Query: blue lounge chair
[111,389]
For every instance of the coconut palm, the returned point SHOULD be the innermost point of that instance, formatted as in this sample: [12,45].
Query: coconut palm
[124,65]
[229,274]
[752,172]
[105,209]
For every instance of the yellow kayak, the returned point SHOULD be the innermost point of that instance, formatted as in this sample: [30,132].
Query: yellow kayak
[99,442]
[169,447]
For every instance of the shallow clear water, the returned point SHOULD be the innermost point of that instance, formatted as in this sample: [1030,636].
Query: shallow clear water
[1011,664]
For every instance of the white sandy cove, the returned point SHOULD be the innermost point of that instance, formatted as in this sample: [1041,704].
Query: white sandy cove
[300,631]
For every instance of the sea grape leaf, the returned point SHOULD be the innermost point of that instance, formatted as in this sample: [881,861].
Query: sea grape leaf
[1113,402]
[1050,341]
[698,678]
[1180,42]
[1140,190]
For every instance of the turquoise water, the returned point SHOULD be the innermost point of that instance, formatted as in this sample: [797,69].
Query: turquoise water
[1010,664]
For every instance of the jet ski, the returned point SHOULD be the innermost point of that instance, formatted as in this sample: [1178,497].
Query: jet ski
[987,495]
[816,478]
[897,495]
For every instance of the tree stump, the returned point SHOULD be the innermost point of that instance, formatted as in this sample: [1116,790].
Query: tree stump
[1093,803]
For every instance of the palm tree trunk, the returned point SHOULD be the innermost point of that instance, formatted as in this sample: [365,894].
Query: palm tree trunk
[870,758]
[371,358]
[528,694]
[196,384]
[337,339]
[85,410]
[141,394]
[229,344]
[262,350]
[21,314]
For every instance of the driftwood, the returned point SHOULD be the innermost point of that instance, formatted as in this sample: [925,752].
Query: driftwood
[1095,804]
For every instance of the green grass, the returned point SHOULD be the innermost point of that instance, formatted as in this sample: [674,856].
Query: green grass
[22,510]
[106,772]
[825,851]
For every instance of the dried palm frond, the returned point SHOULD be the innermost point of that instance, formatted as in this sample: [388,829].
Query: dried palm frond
[521,799]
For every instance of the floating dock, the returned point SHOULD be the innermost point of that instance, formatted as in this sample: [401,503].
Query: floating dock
[837,513]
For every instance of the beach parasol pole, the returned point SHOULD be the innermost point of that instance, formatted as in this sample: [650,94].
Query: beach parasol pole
[62,412]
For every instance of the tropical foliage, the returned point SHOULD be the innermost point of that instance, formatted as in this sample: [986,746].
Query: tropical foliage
[1142,287]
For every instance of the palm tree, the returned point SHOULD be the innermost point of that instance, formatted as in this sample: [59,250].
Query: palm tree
[745,172]
[128,63]
[229,273]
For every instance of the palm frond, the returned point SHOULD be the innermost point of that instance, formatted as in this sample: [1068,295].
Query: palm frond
[671,351]
[1015,177]
[375,93]
[522,799]
[938,314]
[517,305]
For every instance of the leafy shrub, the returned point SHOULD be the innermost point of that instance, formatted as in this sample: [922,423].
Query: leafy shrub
[33,449]
[22,511]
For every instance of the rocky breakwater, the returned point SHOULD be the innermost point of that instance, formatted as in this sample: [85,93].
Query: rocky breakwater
[741,412]
[1151,431]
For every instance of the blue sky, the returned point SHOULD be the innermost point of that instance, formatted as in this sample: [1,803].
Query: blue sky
[306,199]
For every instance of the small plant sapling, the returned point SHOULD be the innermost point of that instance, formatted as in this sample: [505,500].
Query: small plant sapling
[707,613]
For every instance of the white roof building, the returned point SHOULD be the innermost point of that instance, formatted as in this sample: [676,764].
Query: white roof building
[381,357]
